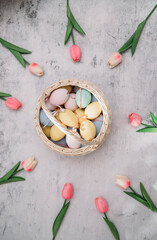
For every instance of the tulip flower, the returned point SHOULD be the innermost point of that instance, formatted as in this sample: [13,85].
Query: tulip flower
[115,59]
[67,191]
[75,53]
[102,207]
[29,164]
[13,103]
[35,69]
[135,119]
[123,182]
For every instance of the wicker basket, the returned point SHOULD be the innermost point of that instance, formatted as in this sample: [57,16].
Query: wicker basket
[90,146]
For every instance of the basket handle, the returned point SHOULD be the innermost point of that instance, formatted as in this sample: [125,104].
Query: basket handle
[63,129]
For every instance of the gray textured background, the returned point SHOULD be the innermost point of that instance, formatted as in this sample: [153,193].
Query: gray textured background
[27,209]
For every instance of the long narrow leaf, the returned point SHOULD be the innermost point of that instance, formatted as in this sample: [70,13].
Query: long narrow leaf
[5,94]
[19,57]
[127,45]
[147,197]
[10,173]
[146,125]
[112,228]
[13,47]
[68,31]
[137,36]
[148,129]
[59,219]
[74,22]
[139,199]
[13,179]
[154,119]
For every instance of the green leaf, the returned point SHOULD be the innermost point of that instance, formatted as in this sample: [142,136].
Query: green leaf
[19,57]
[5,94]
[59,220]
[13,47]
[146,125]
[154,119]
[68,31]
[138,198]
[148,129]
[112,228]
[74,22]
[137,36]
[10,173]
[127,45]
[13,179]
[147,197]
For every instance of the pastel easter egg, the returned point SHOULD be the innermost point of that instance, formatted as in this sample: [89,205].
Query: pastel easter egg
[87,130]
[71,103]
[93,110]
[94,99]
[72,143]
[68,118]
[49,105]
[68,87]
[79,114]
[57,116]
[76,88]
[44,120]
[98,124]
[83,98]
[46,131]
[59,96]
[56,134]
[61,143]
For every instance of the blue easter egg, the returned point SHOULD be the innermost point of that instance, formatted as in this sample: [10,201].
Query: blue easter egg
[98,123]
[94,99]
[44,120]
[61,143]
[83,98]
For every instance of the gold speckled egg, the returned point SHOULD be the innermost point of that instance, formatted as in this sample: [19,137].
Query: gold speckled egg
[93,110]
[46,130]
[56,134]
[68,118]
[87,130]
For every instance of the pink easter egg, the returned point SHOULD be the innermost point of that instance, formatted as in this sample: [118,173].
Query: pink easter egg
[49,105]
[59,96]
[71,103]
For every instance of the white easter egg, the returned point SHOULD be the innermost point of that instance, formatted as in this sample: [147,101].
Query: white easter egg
[72,143]
[71,103]
[59,96]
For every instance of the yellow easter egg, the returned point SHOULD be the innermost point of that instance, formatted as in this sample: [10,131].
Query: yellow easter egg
[68,118]
[56,134]
[46,130]
[93,110]
[57,116]
[87,130]
[68,87]
[80,115]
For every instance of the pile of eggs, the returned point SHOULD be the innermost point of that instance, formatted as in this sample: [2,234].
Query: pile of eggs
[77,110]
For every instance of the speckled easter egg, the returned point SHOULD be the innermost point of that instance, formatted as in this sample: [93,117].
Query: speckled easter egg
[83,98]
[68,118]
[98,124]
[71,103]
[59,96]
[69,88]
[56,134]
[87,130]
[46,131]
[44,120]
[93,110]
[72,143]
[61,143]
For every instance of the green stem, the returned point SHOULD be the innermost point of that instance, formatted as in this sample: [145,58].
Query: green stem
[105,215]
[68,3]
[73,37]
[18,171]
[151,13]
[64,202]
[133,190]
[3,98]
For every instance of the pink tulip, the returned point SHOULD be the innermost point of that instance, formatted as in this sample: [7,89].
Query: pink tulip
[75,53]
[13,103]
[67,191]
[35,69]
[101,205]
[29,164]
[115,59]
[122,181]
[135,119]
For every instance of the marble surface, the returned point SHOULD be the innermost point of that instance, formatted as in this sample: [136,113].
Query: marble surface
[28,209]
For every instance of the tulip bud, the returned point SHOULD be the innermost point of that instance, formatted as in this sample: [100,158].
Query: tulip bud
[122,181]
[115,59]
[13,103]
[35,69]
[67,191]
[29,164]
[135,119]
[75,53]
[101,205]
